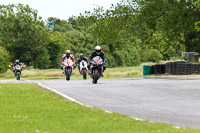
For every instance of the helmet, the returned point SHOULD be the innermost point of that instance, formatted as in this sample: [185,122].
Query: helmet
[98,49]
[67,53]
[17,61]
[81,55]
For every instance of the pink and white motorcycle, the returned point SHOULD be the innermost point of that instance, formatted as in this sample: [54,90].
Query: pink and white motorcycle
[68,66]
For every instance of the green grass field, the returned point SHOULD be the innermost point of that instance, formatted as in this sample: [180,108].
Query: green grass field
[27,108]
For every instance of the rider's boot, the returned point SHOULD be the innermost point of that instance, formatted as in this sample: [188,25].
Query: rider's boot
[73,70]
[89,72]
[61,67]
[102,72]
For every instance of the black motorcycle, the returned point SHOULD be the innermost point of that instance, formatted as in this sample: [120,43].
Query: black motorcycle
[97,68]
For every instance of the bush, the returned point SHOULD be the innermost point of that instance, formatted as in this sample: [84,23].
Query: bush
[42,60]
[4,59]
[127,58]
[152,55]
[110,60]
[54,55]
[169,53]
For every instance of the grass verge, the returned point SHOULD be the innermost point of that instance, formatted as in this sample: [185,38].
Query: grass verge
[110,73]
[29,108]
[32,74]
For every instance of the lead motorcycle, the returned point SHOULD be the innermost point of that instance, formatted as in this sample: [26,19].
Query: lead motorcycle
[68,66]
[97,68]
[83,69]
[17,71]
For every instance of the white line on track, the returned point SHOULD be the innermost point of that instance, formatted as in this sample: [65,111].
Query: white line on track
[59,93]
[63,95]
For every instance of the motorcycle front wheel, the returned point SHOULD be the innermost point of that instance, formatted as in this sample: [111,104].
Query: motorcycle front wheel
[95,76]
[18,77]
[68,74]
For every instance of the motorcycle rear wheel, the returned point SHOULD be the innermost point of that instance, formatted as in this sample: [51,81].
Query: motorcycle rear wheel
[84,74]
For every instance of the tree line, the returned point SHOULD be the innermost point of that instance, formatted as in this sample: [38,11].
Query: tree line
[130,32]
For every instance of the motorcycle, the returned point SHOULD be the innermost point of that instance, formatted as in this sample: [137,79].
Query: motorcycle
[68,66]
[17,71]
[97,68]
[83,69]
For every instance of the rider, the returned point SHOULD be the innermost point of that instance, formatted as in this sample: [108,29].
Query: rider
[16,63]
[68,55]
[95,53]
[80,59]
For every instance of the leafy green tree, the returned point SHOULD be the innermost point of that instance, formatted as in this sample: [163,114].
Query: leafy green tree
[175,19]
[24,34]
[129,57]
[4,59]
[114,28]
[58,25]
[73,21]
[57,45]
[80,42]
[152,55]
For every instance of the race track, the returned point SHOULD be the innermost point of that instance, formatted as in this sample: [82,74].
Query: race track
[160,100]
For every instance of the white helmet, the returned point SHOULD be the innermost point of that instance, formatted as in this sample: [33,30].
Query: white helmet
[98,49]
[67,53]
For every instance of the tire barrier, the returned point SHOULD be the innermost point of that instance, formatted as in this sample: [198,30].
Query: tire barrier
[176,68]
[159,69]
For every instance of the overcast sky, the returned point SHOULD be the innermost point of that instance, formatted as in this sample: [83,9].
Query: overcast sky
[62,9]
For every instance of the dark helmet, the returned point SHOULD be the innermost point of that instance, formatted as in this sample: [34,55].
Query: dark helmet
[17,61]
[98,49]
[67,53]
[81,55]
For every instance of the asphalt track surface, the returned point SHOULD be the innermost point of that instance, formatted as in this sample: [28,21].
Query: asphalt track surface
[176,102]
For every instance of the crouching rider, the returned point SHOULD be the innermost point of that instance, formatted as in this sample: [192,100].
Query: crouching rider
[97,52]
[79,60]
[67,56]
[15,64]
